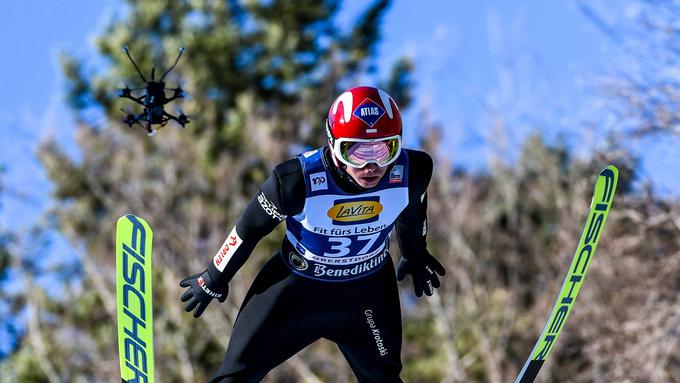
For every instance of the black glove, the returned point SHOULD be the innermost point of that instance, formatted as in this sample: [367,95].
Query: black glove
[202,290]
[422,270]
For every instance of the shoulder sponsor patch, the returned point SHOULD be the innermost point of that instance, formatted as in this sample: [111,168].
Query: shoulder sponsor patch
[318,181]
[269,207]
[396,174]
[227,250]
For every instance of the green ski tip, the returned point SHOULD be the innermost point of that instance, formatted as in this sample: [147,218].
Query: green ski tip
[134,304]
[597,216]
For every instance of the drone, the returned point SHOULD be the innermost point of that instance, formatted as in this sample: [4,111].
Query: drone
[153,101]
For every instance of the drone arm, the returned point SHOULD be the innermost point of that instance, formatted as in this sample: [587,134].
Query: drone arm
[181,121]
[174,97]
[132,119]
[170,116]
[139,100]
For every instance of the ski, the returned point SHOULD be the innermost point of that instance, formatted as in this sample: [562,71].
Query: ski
[597,216]
[134,304]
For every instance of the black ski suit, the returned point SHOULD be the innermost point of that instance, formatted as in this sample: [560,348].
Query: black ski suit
[284,311]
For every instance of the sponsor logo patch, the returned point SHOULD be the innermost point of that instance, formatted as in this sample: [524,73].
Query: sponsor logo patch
[355,211]
[201,282]
[397,174]
[318,181]
[343,272]
[369,112]
[269,207]
[375,333]
[297,261]
[227,250]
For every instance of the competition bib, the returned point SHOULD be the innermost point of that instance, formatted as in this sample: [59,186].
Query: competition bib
[340,236]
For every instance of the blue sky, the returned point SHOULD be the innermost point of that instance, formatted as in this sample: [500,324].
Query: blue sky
[521,59]
[530,62]
[31,104]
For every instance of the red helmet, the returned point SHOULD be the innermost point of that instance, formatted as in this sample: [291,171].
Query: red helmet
[363,126]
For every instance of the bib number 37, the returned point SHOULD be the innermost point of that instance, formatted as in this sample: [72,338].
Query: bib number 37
[341,245]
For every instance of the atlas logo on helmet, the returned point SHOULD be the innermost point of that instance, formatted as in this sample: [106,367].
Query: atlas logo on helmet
[369,112]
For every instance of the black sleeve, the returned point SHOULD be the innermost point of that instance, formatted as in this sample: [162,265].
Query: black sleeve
[282,194]
[411,225]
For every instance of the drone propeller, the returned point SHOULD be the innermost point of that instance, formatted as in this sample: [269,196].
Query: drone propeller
[183,119]
[129,118]
[125,92]
[179,93]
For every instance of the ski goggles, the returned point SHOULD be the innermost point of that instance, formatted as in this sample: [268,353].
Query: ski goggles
[357,152]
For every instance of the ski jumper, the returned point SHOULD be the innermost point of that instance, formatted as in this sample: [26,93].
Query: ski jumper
[333,277]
